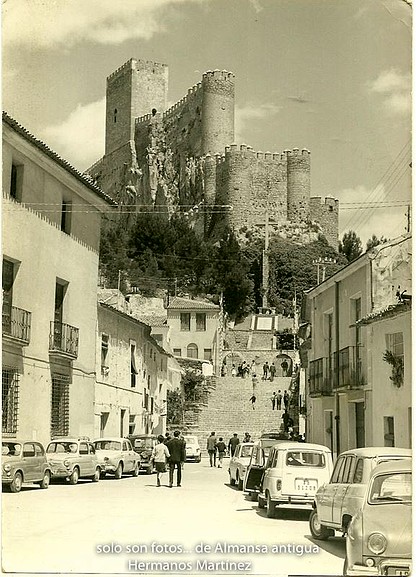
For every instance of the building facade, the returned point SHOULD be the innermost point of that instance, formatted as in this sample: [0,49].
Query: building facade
[51,233]
[351,401]
[185,156]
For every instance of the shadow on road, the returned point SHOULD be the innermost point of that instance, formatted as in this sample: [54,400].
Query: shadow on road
[334,545]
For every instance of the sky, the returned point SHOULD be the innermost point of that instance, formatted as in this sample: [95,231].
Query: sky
[332,76]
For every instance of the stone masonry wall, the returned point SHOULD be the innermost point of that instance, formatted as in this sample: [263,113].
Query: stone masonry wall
[325,212]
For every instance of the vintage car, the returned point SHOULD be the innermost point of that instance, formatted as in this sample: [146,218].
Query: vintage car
[258,459]
[238,464]
[379,537]
[73,459]
[24,462]
[118,456]
[339,500]
[143,445]
[292,475]
[192,448]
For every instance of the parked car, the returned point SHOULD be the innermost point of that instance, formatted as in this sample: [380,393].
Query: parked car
[258,461]
[379,537]
[118,456]
[339,500]
[73,459]
[24,462]
[143,445]
[192,448]
[292,475]
[238,464]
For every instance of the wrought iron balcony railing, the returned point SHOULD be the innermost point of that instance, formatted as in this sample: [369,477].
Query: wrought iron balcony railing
[320,377]
[63,340]
[348,364]
[16,324]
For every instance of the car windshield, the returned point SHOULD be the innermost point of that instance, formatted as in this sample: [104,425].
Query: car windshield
[390,488]
[107,445]
[143,443]
[246,451]
[12,449]
[62,447]
[305,459]
[190,441]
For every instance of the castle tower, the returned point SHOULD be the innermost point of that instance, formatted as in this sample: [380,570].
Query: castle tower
[134,89]
[298,184]
[217,111]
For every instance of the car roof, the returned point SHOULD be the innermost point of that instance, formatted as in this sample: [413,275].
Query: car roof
[369,452]
[110,439]
[68,440]
[392,466]
[301,446]
[248,444]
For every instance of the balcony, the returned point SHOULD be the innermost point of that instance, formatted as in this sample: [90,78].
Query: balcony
[16,325]
[320,373]
[348,364]
[63,340]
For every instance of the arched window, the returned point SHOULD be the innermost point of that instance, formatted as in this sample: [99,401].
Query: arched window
[192,351]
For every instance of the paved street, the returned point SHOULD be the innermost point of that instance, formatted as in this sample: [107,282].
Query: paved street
[59,530]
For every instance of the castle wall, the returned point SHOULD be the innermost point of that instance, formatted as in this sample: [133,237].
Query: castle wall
[298,184]
[326,213]
[217,111]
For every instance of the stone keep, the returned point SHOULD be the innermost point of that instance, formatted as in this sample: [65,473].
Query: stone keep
[185,156]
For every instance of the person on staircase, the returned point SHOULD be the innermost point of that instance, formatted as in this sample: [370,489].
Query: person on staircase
[253,401]
[272,371]
[221,451]
[265,371]
[233,371]
[232,444]
[279,397]
[273,400]
[286,400]
[212,449]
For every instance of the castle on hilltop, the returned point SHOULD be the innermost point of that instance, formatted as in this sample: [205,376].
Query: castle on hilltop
[183,158]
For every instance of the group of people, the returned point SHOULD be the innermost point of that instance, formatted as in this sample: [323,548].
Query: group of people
[214,447]
[269,371]
[243,370]
[169,450]
[277,398]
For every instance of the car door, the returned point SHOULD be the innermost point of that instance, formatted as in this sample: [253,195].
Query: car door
[343,486]
[268,475]
[93,456]
[40,461]
[85,464]
[127,456]
[255,470]
[233,462]
[325,494]
[29,462]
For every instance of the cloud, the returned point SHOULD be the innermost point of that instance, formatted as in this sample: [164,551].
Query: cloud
[256,5]
[395,88]
[43,24]
[79,139]
[245,115]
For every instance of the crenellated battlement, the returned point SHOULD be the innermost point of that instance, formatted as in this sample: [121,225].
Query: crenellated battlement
[218,75]
[129,65]
[322,201]
[134,64]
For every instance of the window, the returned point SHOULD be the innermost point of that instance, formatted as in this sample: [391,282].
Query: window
[39,450]
[177,352]
[394,344]
[104,354]
[133,369]
[29,450]
[7,282]
[207,354]
[201,322]
[185,321]
[60,405]
[66,213]
[10,398]
[349,465]
[16,181]
[337,469]
[192,351]
[305,459]
[83,449]
[358,475]
[115,115]
[388,431]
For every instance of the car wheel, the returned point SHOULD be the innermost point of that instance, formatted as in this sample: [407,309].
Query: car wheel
[253,496]
[44,484]
[261,503]
[96,477]
[239,482]
[73,478]
[102,474]
[270,508]
[198,459]
[232,481]
[16,484]
[136,470]
[119,471]
[318,531]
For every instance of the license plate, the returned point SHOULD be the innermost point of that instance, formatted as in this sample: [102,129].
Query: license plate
[306,485]
[397,571]
[402,572]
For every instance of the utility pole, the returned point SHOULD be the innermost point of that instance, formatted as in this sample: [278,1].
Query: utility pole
[265,270]
[318,262]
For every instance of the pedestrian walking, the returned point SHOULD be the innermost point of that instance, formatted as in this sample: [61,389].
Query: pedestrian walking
[286,400]
[272,371]
[167,438]
[253,401]
[285,367]
[176,448]
[279,397]
[160,455]
[254,380]
[273,400]
[247,438]
[232,444]
[211,448]
[221,451]
[265,371]
[233,371]
[253,367]
[224,370]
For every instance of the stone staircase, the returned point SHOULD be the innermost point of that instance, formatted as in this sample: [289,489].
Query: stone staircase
[228,409]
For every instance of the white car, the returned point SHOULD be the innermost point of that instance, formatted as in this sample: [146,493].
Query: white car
[118,456]
[238,464]
[192,448]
